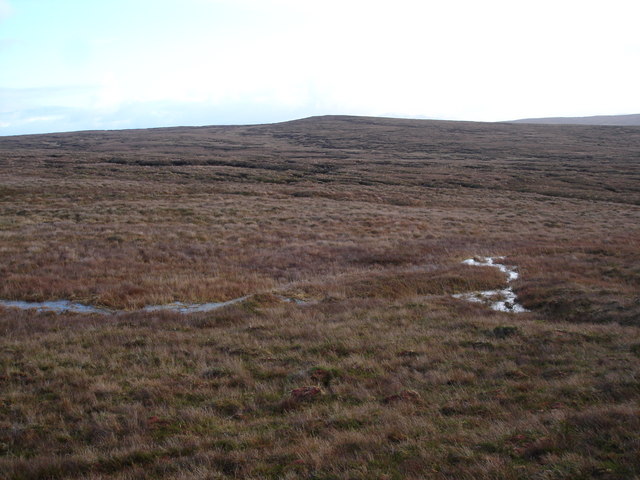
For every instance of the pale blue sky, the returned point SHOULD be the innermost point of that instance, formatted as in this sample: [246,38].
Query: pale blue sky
[76,65]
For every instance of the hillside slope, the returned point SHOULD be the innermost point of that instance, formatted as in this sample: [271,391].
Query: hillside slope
[356,353]
[616,120]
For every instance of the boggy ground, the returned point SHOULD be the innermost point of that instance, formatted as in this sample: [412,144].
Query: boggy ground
[369,220]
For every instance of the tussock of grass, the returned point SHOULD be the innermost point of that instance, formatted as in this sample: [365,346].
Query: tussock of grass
[400,390]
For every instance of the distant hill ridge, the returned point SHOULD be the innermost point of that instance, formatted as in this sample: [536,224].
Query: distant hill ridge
[619,120]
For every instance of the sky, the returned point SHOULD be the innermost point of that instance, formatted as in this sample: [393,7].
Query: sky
[70,65]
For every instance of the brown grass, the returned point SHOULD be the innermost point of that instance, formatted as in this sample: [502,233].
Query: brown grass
[368,219]
[148,396]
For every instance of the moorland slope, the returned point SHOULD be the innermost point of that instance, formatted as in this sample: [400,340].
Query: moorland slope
[376,371]
[616,120]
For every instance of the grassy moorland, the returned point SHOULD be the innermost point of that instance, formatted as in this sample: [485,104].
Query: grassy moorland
[381,373]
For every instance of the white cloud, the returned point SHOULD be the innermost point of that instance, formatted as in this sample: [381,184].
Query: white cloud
[491,60]
[5,9]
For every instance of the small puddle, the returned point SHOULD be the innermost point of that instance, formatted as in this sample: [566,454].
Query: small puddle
[192,307]
[503,300]
[297,301]
[65,306]
[57,306]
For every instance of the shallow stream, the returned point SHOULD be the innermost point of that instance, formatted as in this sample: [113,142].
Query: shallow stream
[503,300]
[64,306]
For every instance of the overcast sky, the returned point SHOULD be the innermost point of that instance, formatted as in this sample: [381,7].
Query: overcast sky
[89,64]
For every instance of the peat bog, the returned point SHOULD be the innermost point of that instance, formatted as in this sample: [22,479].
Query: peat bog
[351,358]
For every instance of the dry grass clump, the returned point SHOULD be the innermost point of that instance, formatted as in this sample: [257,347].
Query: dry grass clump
[402,283]
[591,282]
[344,389]
[374,371]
